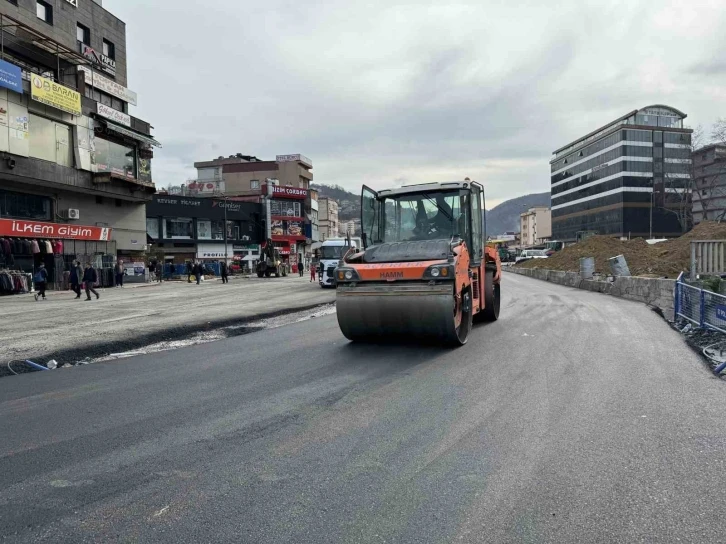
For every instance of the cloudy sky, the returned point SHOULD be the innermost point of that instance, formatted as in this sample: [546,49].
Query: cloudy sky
[388,92]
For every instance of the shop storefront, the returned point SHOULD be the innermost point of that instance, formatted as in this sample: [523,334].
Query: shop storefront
[288,222]
[25,245]
[188,228]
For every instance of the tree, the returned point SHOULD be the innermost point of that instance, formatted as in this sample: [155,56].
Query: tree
[677,190]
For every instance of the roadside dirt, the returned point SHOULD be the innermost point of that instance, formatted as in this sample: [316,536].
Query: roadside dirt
[664,259]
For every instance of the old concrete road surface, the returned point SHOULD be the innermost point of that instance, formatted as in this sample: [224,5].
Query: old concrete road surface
[576,418]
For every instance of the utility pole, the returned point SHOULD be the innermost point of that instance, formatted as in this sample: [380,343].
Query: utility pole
[652,199]
[225,230]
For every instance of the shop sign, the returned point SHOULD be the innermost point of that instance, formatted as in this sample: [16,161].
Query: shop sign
[295,158]
[289,192]
[251,247]
[105,63]
[114,115]
[658,111]
[294,228]
[108,86]
[135,269]
[181,201]
[35,229]
[11,77]
[277,228]
[231,206]
[206,187]
[48,92]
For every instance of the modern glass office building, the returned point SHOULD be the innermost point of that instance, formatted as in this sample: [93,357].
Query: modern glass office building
[607,181]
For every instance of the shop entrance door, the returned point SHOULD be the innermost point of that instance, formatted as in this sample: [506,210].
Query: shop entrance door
[62,145]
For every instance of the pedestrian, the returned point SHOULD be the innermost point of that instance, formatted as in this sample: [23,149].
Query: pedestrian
[76,277]
[41,281]
[90,277]
[190,271]
[300,265]
[197,271]
[119,273]
[223,272]
[312,272]
[152,270]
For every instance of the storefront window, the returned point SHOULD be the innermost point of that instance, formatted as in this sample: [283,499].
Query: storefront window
[204,229]
[114,158]
[217,230]
[178,228]
[22,206]
[145,170]
[152,227]
[232,230]
[285,207]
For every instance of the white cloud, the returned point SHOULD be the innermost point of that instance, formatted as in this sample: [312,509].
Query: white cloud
[380,92]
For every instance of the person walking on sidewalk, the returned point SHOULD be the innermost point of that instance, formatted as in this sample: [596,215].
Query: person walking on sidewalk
[90,277]
[300,265]
[197,271]
[41,281]
[190,271]
[76,278]
[118,270]
[224,272]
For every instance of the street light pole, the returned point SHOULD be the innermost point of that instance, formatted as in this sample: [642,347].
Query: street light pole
[652,195]
[225,230]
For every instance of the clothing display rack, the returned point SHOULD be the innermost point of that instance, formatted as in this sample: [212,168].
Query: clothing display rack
[13,282]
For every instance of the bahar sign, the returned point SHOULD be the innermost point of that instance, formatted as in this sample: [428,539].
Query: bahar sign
[50,93]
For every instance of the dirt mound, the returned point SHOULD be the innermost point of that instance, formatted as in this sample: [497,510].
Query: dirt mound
[664,259]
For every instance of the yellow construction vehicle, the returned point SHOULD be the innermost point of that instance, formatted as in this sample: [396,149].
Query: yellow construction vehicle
[425,270]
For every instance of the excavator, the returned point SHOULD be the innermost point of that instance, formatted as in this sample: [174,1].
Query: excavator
[425,271]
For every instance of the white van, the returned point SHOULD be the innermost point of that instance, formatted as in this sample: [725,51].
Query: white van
[331,251]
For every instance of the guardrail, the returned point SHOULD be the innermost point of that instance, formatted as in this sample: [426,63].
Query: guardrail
[703,308]
[708,257]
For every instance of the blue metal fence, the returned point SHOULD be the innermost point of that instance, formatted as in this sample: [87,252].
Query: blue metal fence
[705,309]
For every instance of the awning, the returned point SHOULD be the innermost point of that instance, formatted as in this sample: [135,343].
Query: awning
[130,133]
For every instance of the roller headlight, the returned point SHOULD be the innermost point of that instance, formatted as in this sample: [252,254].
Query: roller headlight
[346,274]
[439,272]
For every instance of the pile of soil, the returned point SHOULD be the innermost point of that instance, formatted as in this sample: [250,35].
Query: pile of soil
[664,259]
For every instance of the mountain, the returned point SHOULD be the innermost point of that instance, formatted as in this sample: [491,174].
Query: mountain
[348,203]
[500,219]
[505,217]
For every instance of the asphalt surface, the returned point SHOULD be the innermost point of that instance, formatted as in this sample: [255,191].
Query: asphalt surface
[68,329]
[577,417]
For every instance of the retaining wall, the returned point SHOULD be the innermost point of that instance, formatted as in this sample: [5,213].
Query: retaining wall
[652,291]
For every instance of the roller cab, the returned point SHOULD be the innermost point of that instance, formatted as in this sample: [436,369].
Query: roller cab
[424,271]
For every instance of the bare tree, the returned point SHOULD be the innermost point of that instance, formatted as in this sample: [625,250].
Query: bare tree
[679,188]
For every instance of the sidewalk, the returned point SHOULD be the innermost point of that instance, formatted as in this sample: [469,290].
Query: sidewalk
[124,316]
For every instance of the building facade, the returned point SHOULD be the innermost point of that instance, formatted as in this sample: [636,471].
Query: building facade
[709,183]
[328,217]
[193,229]
[73,158]
[293,207]
[607,181]
[535,226]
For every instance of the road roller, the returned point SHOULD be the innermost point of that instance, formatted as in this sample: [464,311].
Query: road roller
[425,271]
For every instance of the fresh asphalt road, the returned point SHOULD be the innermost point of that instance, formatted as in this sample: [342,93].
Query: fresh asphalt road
[577,417]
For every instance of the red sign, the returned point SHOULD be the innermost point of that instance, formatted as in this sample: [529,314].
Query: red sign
[289,192]
[35,229]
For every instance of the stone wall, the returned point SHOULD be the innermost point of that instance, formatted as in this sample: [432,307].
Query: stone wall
[651,291]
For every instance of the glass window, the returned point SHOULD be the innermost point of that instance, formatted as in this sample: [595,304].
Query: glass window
[109,49]
[204,229]
[217,230]
[152,227]
[255,184]
[105,100]
[476,221]
[658,152]
[287,208]
[117,104]
[658,136]
[83,34]
[44,12]
[232,230]
[425,216]
[22,206]
[178,228]
[115,158]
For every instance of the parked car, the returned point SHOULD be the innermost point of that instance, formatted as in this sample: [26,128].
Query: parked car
[532,254]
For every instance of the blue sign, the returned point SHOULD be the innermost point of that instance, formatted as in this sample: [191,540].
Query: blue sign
[11,77]
[721,312]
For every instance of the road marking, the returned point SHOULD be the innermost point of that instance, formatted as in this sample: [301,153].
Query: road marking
[160,512]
